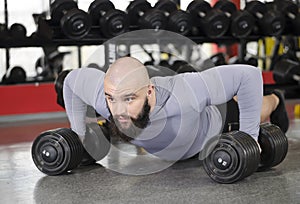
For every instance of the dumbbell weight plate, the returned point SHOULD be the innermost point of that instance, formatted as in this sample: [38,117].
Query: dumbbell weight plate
[256,8]
[97,8]
[284,70]
[216,24]
[274,145]
[177,64]
[17,75]
[134,10]
[96,141]
[76,24]
[179,22]
[272,24]
[235,157]
[290,10]
[55,152]
[153,19]
[166,5]
[242,24]
[17,31]
[197,9]
[114,23]
[58,8]
[226,6]
[185,68]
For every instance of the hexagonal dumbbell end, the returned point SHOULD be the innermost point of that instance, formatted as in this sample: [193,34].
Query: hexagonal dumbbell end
[235,156]
[56,152]
[274,145]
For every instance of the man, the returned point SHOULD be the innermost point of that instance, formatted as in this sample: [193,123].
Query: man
[171,117]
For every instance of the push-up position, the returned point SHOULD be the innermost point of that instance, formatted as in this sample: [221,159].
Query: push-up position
[171,116]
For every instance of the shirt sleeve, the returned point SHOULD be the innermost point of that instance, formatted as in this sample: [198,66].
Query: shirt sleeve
[223,82]
[83,87]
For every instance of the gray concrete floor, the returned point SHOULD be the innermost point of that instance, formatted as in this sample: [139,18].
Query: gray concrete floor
[183,182]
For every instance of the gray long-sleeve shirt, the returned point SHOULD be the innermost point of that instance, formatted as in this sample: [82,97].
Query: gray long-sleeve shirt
[184,116]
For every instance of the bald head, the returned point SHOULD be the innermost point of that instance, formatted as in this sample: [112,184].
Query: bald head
[126,73]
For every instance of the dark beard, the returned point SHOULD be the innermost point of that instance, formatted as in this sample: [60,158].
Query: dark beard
[135,128]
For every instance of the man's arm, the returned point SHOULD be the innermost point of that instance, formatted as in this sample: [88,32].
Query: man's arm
[84,87]
[224,82]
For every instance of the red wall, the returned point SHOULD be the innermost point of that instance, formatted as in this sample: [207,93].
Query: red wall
[28,99]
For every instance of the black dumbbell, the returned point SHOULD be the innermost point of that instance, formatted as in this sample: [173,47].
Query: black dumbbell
[179,21]
[58,151]
[242,22]
[286,71]
[246,60]
[142,15]
[274,145]
[270,22]
[74,23]
[16,75]
[207,20]
[218,59]
[292,16]
[177,64]
[112,21]
[235,156]
[17,31]
[182,66]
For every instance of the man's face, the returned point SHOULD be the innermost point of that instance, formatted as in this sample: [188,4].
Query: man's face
[129,114]
[125,105]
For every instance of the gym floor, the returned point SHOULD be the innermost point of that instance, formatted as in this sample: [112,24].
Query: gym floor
[183,182]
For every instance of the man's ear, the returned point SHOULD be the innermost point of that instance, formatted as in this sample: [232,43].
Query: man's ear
[150,89]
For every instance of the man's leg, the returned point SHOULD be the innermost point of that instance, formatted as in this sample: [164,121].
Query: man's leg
[279,115]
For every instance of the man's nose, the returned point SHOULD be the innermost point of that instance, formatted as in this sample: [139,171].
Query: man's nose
[120,109]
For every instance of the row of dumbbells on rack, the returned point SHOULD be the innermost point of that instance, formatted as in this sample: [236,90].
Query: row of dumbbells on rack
[103,20]
[199,19]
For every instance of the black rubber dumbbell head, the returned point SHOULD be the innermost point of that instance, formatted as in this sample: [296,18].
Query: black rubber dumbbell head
[137,9]
[97,8]
[75,24]
[17,75]
[59,8]
[56,152]
[112,21]
[17,31]
[178,21]
[235,157]
[212,22]
[274,145]
[242,22]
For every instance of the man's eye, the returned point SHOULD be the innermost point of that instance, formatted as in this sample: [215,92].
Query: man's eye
[129,99]
[110,99]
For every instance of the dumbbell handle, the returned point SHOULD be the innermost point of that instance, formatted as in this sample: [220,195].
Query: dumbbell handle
[201,14]
[259,15]
[291,15]
[296,78]
[141,13]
